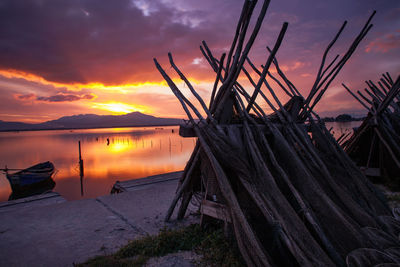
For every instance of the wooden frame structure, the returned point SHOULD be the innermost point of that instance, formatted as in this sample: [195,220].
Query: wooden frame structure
[375,145]
[292,199]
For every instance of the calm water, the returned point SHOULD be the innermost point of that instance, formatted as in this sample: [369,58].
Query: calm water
[130,153]
[339,128]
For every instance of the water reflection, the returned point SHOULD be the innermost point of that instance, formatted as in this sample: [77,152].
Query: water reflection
[339,128]
[108,154]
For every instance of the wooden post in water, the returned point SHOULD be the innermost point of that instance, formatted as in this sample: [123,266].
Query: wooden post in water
[80,167]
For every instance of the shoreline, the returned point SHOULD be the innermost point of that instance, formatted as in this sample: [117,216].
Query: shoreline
[116,126]
[75,231]
[86,128]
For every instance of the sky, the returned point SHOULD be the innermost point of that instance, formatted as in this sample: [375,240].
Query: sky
[68,57]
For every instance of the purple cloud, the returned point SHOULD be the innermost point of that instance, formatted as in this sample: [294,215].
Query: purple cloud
[54,98]
[385,43]
[25,97]
[113,42]
[64,98]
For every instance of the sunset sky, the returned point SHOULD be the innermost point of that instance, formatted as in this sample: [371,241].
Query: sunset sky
[67,57]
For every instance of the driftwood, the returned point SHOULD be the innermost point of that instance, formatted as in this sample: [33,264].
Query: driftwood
[292,198]
[375,145]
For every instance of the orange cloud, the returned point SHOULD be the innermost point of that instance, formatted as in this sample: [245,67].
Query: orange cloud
[289,67]
[121,88]
[385,43]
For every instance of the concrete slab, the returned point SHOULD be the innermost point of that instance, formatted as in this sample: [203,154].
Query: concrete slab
[58,235]
[74,231]
[145,206]
[45,199]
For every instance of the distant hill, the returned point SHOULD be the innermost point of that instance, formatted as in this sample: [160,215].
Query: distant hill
[91,121]
[342,118]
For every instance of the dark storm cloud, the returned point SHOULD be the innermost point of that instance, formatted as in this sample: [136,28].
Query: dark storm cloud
[83,41]
[63,98]
[114,41]
[54,98]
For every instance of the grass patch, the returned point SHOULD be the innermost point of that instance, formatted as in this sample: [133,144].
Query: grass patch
[210,243]
[216,250]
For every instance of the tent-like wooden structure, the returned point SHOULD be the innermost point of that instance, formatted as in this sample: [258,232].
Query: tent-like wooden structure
[375,145]
[281,181]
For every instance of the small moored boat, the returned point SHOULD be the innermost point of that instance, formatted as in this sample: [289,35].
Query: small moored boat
[31,179]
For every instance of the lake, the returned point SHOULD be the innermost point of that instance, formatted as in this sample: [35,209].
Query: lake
[339,128]
[109,154]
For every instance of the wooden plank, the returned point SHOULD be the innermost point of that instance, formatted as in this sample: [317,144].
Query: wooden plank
[123,186]
[215,210]
[151,179]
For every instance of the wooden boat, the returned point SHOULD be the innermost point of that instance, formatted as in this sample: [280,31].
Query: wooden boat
[32,179]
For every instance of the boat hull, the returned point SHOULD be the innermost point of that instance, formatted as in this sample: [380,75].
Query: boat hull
[33,189]
[32,179]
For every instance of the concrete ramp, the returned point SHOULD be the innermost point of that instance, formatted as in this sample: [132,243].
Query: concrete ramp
[60,234]
[33,201]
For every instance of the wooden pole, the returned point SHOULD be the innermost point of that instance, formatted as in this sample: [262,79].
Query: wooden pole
[81,171]
[267,64]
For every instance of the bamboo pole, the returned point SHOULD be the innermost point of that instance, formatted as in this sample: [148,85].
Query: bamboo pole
[388,148]
[182,76]
[267,64]
[358,99]
[238,28]
[318,78]
[269,74]
[183,187]
[218,77]
[257,251]
[326,81]
[290,85]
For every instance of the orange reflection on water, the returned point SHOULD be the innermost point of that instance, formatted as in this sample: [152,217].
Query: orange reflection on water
[108,154]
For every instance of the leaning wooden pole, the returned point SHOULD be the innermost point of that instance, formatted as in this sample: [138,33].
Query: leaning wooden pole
[289,191]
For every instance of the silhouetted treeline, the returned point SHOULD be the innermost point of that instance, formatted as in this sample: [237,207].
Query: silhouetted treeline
[342,118]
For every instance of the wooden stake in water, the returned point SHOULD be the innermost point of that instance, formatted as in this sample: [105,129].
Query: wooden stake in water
[80,167]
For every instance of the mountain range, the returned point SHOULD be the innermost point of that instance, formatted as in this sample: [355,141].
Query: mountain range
[84,121]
